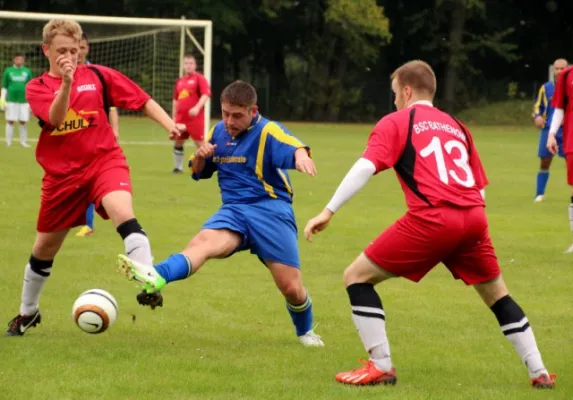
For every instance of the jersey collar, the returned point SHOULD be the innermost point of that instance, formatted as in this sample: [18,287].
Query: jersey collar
[255,121]
[421,103]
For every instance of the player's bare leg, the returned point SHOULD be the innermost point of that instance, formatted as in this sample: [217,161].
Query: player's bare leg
[207,244]
[9,132]
[515,327]
[370,320]
[36,274]
[178,155]
[299,304]
[542,178]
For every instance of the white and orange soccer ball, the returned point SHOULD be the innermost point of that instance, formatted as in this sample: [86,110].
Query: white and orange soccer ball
[95,311]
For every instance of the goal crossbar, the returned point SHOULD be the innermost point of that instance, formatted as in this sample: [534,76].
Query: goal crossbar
[100,19]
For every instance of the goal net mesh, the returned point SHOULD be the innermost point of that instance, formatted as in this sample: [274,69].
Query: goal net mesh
[150,55]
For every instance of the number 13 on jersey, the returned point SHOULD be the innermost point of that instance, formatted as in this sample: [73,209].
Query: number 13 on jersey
[457,152]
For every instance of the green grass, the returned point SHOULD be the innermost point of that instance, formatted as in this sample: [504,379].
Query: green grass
[225,333]
[502,113]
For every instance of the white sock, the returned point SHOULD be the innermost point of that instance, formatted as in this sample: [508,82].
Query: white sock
[33,284]
[138,248]
[525,345]
[571,216]
[9,133]
[23,133]
[178,154]
[371,325]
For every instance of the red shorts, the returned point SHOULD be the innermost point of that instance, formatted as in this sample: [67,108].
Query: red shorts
[66,199]
[420,240]
[569,163]
[195,128]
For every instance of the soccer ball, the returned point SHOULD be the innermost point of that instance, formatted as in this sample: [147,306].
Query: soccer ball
[95,311]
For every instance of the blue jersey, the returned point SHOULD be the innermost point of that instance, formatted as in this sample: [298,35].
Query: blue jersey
[542,106]
[253,166]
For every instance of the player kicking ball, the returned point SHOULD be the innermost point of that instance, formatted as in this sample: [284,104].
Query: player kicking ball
[441,174]
[251,155]
[81,159]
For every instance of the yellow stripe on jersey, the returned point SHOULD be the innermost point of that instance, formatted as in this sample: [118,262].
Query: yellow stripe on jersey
[210,134]
[540,96]
[279,134]
[259,163]
[284,178]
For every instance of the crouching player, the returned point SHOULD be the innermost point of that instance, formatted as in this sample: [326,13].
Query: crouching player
[251,155]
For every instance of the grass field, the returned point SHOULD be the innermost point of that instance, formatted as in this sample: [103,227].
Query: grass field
[225,333]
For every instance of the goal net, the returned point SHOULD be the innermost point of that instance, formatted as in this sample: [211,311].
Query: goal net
[149,51]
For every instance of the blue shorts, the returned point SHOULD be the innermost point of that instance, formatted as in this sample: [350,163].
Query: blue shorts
[542,152]
[268,228]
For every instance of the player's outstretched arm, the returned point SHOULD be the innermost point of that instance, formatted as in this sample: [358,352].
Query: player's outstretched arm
[159,115]
[201,160]
[353,182]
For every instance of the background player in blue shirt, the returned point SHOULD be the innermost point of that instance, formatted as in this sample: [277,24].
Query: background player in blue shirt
[251,156]
[542,113]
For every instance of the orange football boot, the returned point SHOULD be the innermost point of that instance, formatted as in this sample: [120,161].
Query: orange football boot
[544,381]
[367,375]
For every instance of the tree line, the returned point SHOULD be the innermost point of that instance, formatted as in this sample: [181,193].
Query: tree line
[330,60]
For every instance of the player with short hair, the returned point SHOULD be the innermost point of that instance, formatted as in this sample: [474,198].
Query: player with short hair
[441,174]
[251,155]
[542,112]
[81,159]
[563,115]
[113,116]
[190,94]
[13,98]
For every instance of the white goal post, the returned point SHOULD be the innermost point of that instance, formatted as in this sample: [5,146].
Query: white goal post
[148,50]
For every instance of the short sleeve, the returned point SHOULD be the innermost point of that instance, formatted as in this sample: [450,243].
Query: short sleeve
[40,98]
[558,100]
[122,92]
[204,87]
[385,145]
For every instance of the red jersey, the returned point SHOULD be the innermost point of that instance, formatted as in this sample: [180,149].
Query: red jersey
[434,157]
[563,98]
[86,132]
[188,91]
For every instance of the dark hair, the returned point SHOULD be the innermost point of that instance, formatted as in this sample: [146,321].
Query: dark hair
[84,36]
[19,55]
[189,55]
[418,75]
[239,93]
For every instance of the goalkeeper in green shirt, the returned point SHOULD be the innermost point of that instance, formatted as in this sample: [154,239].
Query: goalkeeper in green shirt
[13,98]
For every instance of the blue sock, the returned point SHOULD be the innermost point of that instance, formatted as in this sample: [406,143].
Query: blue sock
[90,216]
[542,178]
[175,268]
[301,315]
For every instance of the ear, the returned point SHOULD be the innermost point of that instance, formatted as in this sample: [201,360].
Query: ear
[46,49]
[254,110]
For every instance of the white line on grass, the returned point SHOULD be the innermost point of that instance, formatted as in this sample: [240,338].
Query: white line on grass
[130,142]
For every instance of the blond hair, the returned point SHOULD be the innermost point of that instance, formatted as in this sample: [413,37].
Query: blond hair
[418,75]
[58,26]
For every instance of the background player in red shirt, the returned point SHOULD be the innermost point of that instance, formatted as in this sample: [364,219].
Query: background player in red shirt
[189,97]
[82,161]
[441,175]
[563,114]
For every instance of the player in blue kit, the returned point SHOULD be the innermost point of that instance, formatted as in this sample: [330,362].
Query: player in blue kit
[542,113]
[251,156]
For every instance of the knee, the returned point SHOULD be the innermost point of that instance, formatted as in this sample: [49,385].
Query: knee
[351,276]
[292,290]
[45,250]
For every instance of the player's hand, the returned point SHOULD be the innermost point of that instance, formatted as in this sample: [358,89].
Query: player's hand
[193,111]
[65,68]
[206,150]
[552,143]
[303,162]
[539,122]
[317,224]
[177,131]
